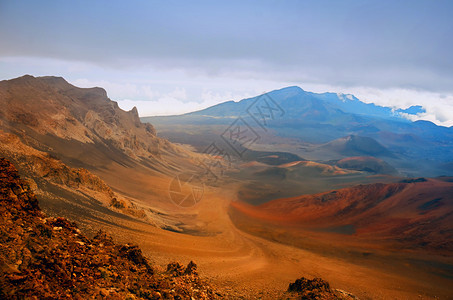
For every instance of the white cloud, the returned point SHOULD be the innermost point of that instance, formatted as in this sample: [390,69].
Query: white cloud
[175,102]
[439,107]
[178,93]
[150,93]
[158,92]
[218,97]
[163,106]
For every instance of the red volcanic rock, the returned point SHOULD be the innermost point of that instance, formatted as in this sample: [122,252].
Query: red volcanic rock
[191,269]
[49,258]
[315,289]
[412,214]
[175,269]
[15,193]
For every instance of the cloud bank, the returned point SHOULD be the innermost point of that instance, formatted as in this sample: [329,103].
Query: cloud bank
[180,56]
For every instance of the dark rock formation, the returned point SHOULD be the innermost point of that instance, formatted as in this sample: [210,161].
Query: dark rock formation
[315,289]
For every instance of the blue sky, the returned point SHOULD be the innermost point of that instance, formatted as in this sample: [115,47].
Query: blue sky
[170,57]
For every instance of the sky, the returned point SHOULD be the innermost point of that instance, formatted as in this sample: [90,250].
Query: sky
[172,57]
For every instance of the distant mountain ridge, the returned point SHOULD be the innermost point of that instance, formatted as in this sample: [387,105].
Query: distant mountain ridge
[322,118]
[347,103]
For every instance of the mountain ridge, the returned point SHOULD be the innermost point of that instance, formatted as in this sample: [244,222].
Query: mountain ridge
[82,153]
[383,111]
[317,119]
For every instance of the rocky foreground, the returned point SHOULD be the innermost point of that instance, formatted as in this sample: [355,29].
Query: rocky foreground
[49,258]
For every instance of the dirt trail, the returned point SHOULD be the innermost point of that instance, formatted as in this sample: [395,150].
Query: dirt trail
[245,266]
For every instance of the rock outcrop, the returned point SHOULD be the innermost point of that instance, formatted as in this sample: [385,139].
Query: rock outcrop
[50,105]
[316,289]
[44,167]
[49,258]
